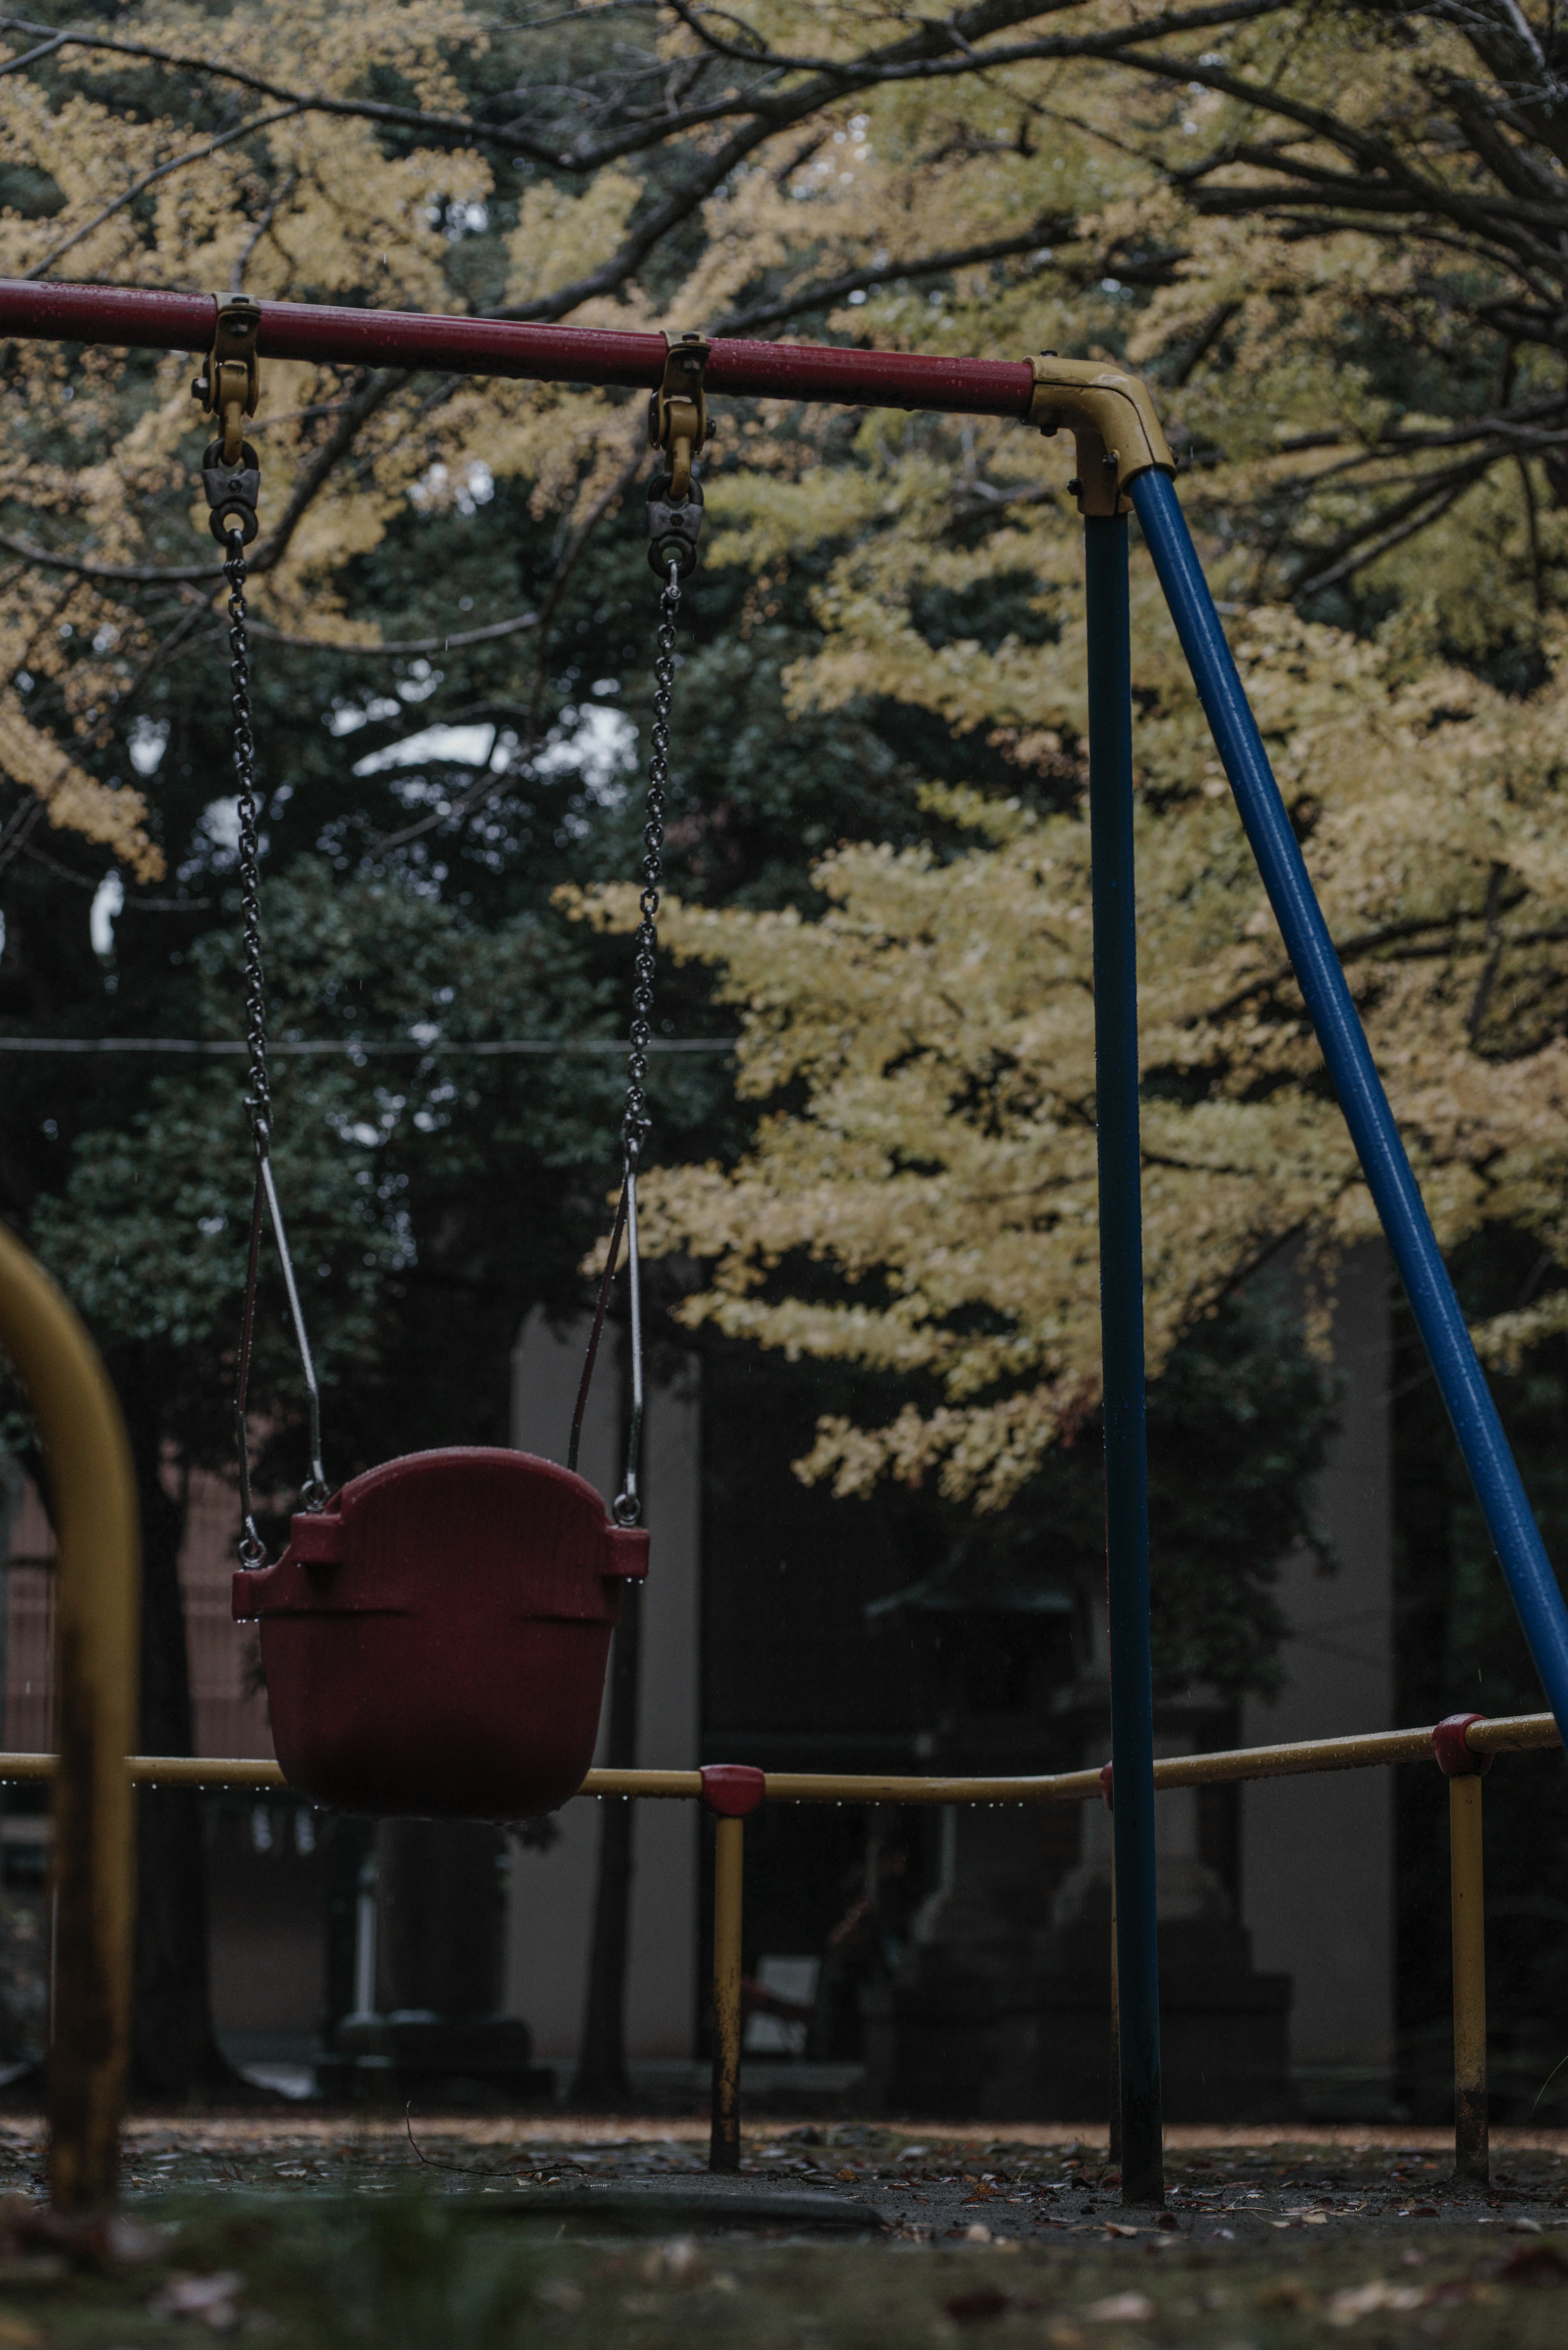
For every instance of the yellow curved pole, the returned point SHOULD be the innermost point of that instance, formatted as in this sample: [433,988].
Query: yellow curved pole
[98,1611]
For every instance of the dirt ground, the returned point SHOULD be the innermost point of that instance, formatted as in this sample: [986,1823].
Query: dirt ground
[454,2233]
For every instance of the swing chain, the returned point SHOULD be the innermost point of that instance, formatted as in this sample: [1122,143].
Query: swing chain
[645,941]
[677,427]
[673,531]
[264,1203]
[258,1100]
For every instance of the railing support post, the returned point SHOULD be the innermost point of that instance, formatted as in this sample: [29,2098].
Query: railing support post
[1466,1893]
[730,1790]
[1121,1346]
[729,1847]
[1114,2137]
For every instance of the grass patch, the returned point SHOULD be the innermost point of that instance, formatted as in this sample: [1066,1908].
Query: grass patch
[420,2271]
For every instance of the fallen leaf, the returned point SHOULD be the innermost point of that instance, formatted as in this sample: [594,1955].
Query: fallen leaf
[1289,2293]
[970,2308]
[1121,2308]
[559,2293]
[1361,2301]
[210,2298]
[977,2232]
[1115,2227]
[93,2240]
[1533,2264]
[846,2174]
[680,2260]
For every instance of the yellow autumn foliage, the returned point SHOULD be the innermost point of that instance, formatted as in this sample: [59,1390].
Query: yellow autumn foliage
[938,1020]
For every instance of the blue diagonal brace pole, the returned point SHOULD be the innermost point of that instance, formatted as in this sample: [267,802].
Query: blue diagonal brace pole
[1121,1349]
[1397,1195]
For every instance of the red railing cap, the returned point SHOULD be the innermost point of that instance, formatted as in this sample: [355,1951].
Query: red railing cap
[1455,1757]
[732,1789]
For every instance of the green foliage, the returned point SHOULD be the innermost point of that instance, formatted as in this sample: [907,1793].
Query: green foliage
[1238,1424]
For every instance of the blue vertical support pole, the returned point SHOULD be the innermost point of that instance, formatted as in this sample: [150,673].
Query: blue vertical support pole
[1395,1192]
[1121,1329]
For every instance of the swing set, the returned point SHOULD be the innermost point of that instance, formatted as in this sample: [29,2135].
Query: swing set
[435,1634]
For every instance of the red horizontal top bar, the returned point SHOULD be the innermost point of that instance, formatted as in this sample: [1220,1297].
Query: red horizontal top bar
[127,317]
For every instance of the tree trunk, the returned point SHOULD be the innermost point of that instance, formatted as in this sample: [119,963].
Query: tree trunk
[174,2052]
[601,2077]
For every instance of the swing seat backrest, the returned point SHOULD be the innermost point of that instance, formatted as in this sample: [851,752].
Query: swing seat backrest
[435,1640]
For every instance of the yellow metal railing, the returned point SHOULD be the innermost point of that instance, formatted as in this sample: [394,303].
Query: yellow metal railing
[1507,1735]
[98,1613]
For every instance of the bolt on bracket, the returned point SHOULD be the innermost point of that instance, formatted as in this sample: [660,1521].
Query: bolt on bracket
[230,384]
[1112,419]
[678,410]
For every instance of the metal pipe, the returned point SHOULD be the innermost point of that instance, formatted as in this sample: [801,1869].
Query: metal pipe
[1120,1165]
[365,1938]
[1466,1892]
[686,1784]
[1506,1734]
[835,1787]
[1511,1733]
[1114,2139]
[1364,1104]
[126,317]
[97,1581]
[729,1863]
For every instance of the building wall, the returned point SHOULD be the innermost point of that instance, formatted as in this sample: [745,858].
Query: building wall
[264,1885]
[550,1904]
[1317,1854]
[231,1715]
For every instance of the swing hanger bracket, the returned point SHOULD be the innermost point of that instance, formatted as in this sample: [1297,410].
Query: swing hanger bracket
[678,411]
[228,389]
[1111,416]
[230,384]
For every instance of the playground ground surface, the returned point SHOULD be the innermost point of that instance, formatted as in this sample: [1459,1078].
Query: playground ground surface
[302,2229]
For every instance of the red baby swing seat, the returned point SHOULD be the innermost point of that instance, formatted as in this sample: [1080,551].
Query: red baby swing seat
[435,1639]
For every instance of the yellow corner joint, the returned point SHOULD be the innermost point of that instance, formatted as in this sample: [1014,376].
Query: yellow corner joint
[1112,419]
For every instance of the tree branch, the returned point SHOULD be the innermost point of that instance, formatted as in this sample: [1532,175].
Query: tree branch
[523,622]
[489,785]
[852,281]
[1423,505]
[176,163]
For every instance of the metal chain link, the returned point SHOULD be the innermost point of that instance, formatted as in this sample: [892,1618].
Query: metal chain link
[645,943]
[258,1100]
[626,1507]
[258,1097]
